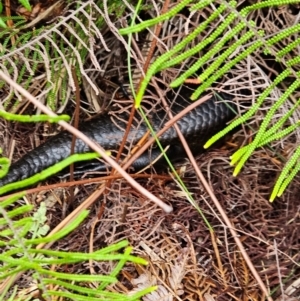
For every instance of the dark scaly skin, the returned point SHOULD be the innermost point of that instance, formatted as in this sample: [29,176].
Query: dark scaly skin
[197,126]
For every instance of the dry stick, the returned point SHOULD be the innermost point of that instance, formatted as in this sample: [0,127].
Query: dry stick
[9,22]
[76,117]
[223,214]
[75,124]
[124,137]
[217,255]
[227,221]
[145,68]
[113,171]
[90,143]
[85,181]
[91,245]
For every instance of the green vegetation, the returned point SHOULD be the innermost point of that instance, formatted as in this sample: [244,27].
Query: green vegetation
[52,170]
[22,231]
[48,51]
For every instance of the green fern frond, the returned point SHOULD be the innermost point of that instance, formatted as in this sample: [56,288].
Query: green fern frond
[288,48]
[272,132]
[290,177]
[250,112]
[33,118]
[4,162]
[48,172]
[261,132]
[267,3]
[286,176]
[282,35]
